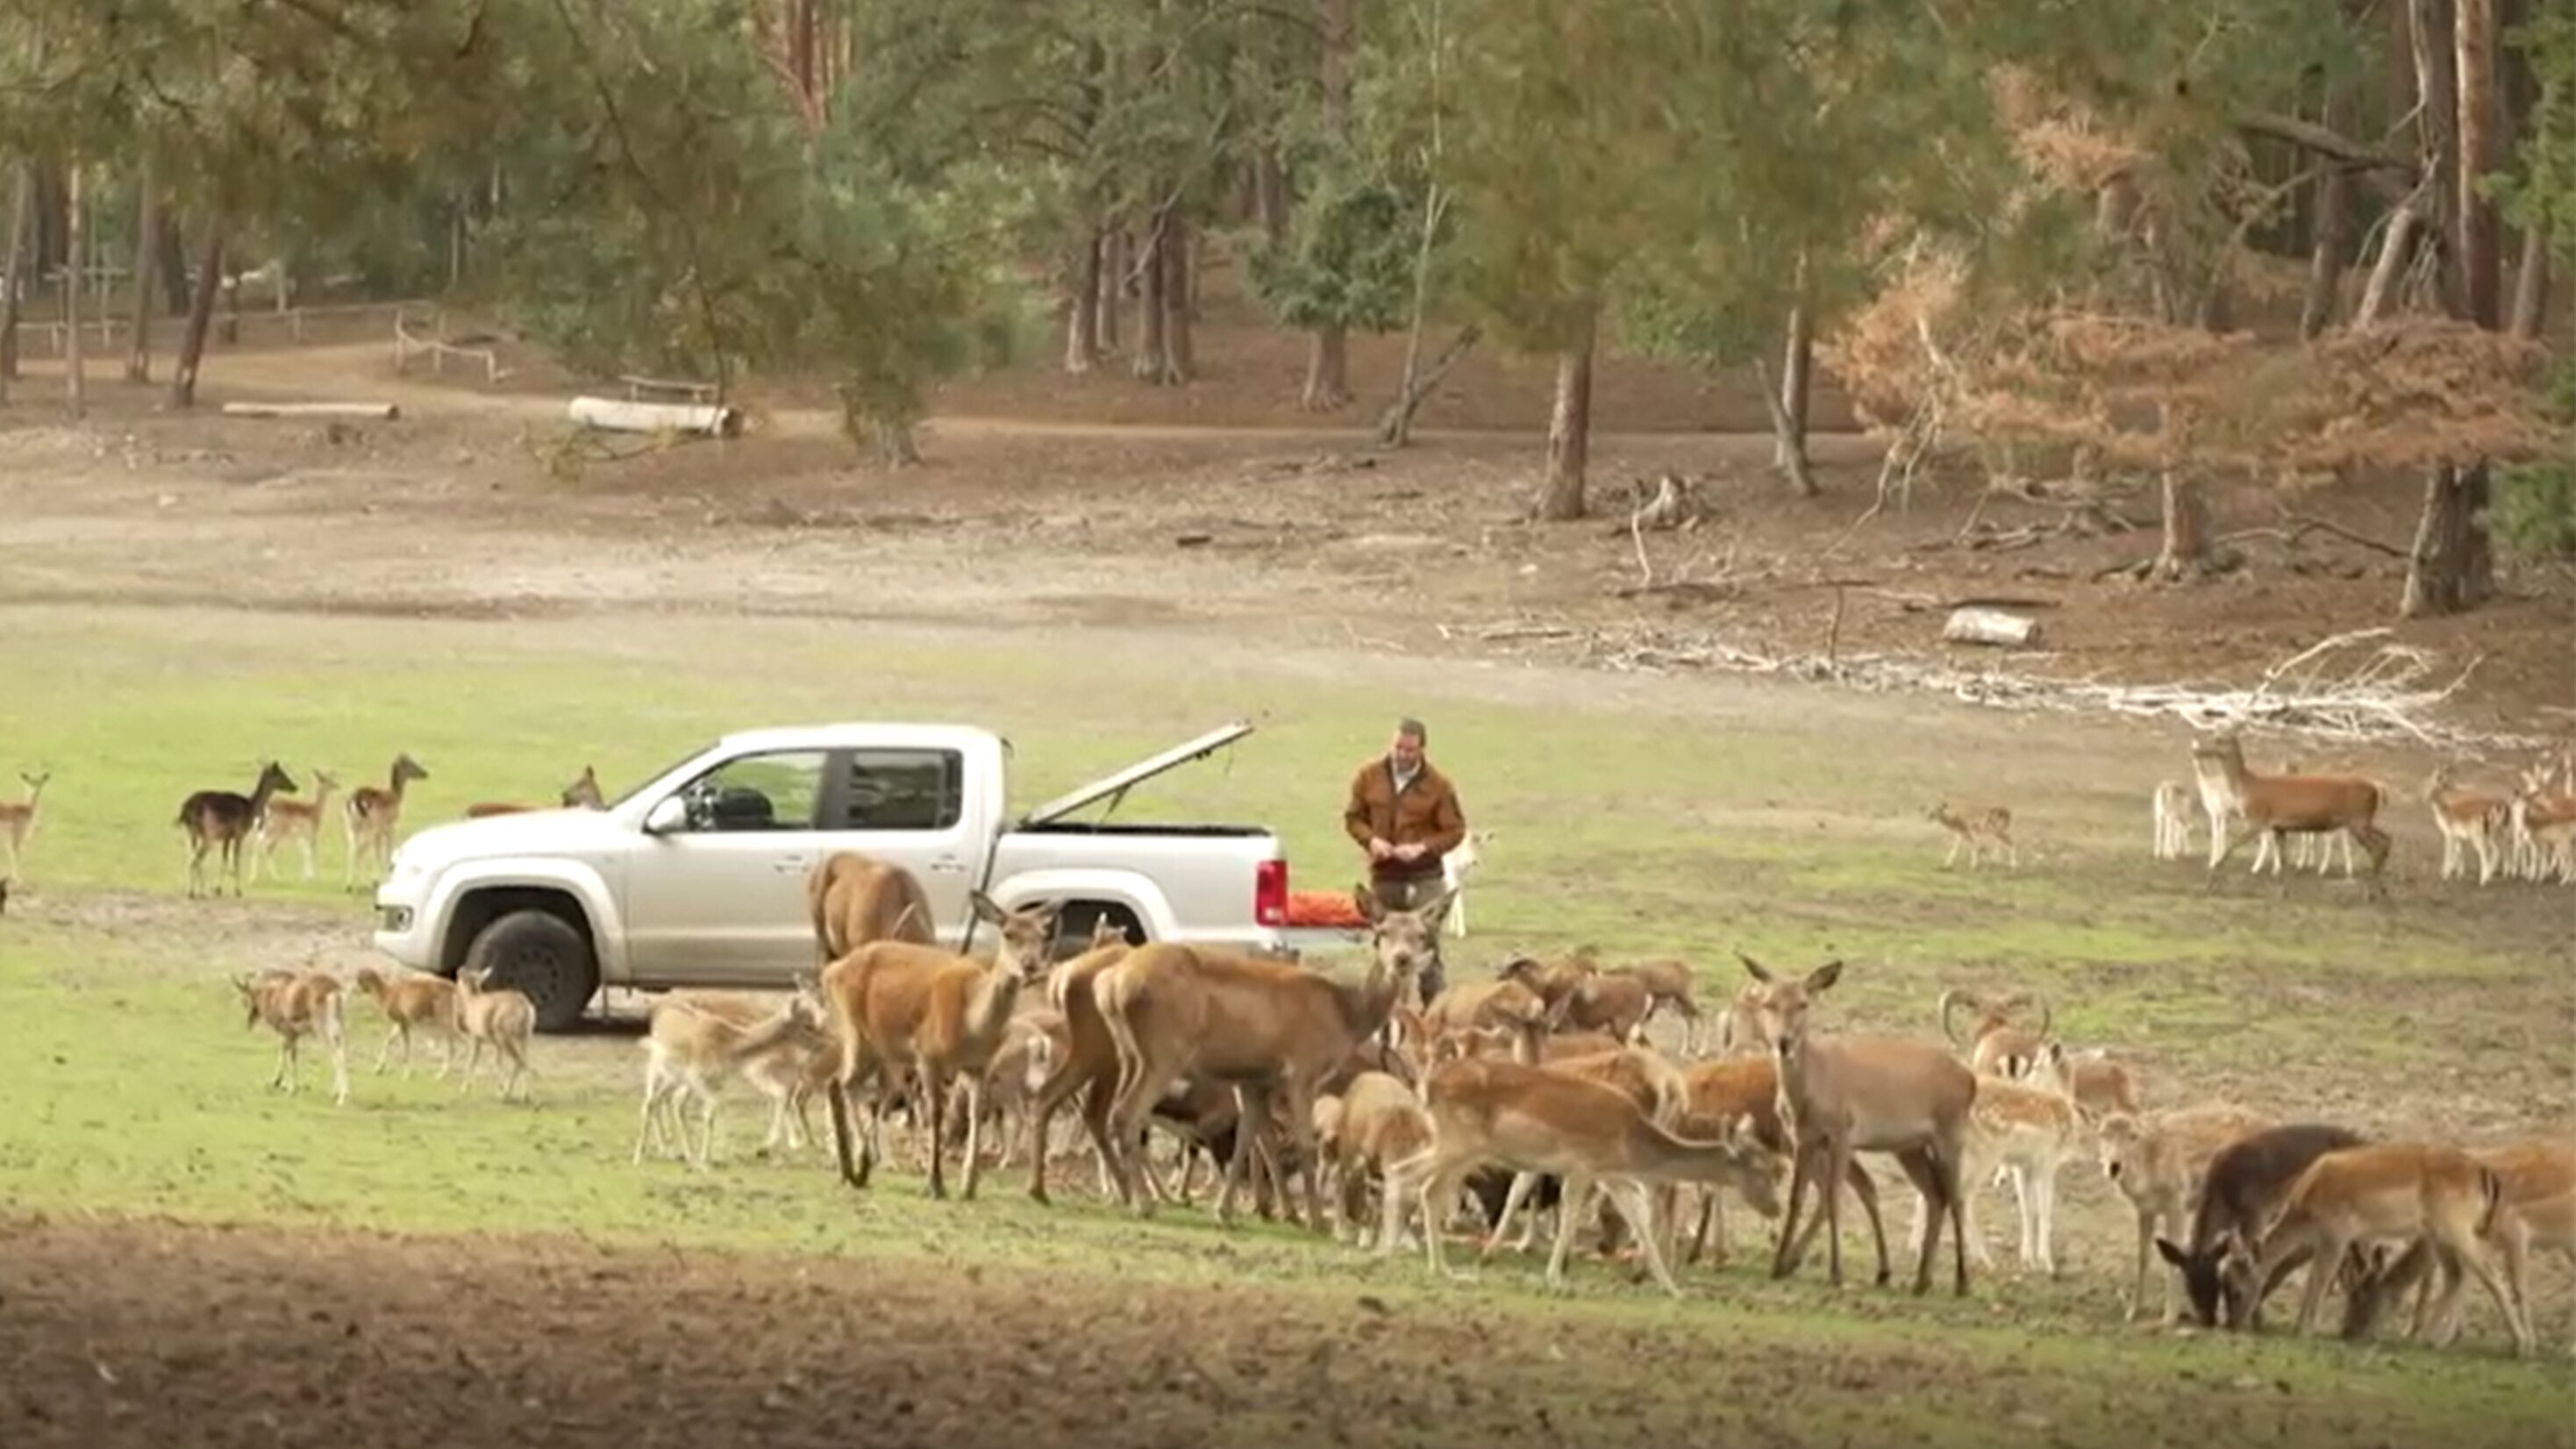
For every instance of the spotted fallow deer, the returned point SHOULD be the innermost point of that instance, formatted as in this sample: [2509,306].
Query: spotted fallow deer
[1843,1094]
[299,821]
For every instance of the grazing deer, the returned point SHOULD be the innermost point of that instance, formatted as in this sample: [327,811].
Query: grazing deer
[854,899]
[2173,820]
[2241,1189]
[505,1019]
[2391,1192]
[220,819]
[1263,1026]
[1535,1120]
[1580,996]
[1638,1073]
[412,1000]
[295,1005]
[372,814]
[18,822]
[1980,830]
[1996,1047]
[296,820]
[2274,806]
[2470,820]
[1844,1094]
[901,1009]
[1375,1123]
[2539,1211]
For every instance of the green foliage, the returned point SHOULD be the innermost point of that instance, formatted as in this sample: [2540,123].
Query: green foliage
[1347,260]
[2535,505]
[2541,188]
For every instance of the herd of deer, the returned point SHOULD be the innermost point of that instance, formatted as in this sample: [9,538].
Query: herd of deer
[1534,1086]
[268,818]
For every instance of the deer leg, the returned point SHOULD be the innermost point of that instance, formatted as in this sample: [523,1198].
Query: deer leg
[1784,1254]
[1578,1195]
[1407,1182]
[385,1057]
[1522,1182]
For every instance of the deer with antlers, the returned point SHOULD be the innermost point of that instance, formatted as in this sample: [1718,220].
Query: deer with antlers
[18,822]
[221,820]
[296,820]
[1843,1094]
[372,814]
[2276,806]
[1995,1044]
[1266,1027]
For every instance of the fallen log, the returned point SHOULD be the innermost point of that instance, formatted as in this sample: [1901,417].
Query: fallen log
[381,412]
[626,416]
[1988,626]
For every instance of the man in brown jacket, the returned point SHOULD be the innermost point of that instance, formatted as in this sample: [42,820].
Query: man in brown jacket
[1405,814]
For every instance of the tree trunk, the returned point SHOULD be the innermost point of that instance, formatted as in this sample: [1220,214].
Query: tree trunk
[201,312]
[13,271]
[1270,194]
[2481,257]
[1082,325]
[1395,426]
[1328,374]
[2396,250]
[1788,438]
[1180,358]
[1789,415]
[1113,285]
[2437,121]
[1569,426]
[2332,251]
[1151,363]
[171,252]
[2531,284]
[75,237]
[2449,569]
[2185,553]
[147,225]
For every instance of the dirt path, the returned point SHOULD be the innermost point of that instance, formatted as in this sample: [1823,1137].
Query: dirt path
[152,1335]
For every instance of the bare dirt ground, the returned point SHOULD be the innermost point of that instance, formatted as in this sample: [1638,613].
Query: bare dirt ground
[145,1333]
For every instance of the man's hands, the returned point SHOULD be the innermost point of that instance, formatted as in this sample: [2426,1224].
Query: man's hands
[1411,852]
[1378,849]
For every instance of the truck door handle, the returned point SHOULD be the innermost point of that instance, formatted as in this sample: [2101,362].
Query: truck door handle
[948,865]
[788,863]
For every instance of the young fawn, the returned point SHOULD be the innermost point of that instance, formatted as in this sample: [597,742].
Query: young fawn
[296,820]
[1979,830]
[18,823]
[413,1001]
[295,1005]
[504,1018]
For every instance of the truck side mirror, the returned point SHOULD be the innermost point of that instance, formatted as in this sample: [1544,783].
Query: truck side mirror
[668,814]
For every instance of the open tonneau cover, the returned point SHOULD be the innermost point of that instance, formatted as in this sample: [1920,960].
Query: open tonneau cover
[1117,785]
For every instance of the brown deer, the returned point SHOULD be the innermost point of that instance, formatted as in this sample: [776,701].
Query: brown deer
[2097,1085]
[222,820]
[1845,1094]
[295,1005]
[854,899]
[584,792]
[1089,1064]
[296,820]
[2393,1192]
[2539,1211]
[411,1001]
[504,1019]
[1746,1089]
[1979,830]
[1580,996]
[1540,1121]
[2276,806]
[1265,1027]
[2157,1163]
[900,1009]
[371,815]
[691,1041]
[18,822]
[1995,1045]
[2469,820]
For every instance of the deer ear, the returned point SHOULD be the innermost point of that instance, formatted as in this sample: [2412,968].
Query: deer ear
[1824,976]
[1370,906]
[1753,966]
[2172,1254]
[985,909]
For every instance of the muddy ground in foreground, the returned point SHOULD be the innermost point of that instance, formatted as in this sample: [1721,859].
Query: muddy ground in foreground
[147,1334]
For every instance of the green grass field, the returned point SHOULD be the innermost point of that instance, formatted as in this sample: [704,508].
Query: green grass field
[135,1088]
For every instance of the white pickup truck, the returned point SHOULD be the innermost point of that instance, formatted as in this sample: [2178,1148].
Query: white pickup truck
[696,877]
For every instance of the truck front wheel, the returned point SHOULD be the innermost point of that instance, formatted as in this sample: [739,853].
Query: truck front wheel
[543,956]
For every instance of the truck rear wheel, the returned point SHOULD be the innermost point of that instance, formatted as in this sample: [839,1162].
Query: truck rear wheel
[543,956]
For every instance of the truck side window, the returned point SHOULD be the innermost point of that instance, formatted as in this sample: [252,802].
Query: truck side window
[905,790]
[757,792]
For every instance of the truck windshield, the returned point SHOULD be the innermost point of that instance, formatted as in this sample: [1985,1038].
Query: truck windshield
[649,776]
